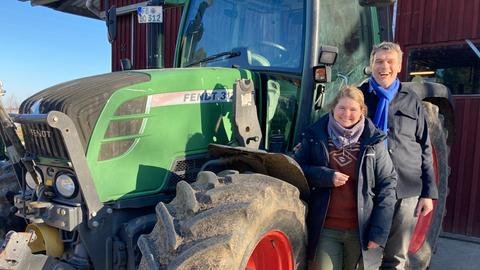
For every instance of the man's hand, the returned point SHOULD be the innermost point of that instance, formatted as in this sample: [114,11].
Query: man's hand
[372,245]
[424,206]
[339,179]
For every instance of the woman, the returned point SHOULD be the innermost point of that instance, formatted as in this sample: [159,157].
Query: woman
[352,182]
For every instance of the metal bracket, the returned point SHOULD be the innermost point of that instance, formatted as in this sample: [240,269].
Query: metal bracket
[16,254]
[14,249]
[248,129]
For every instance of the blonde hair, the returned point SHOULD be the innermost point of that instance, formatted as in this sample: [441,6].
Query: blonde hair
[351,92]
[386,46]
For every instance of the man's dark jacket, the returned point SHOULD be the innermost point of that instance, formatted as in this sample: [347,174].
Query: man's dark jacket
[375,187]
[408,143]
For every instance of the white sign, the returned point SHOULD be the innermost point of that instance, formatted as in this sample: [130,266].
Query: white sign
[150,14]
[192,97]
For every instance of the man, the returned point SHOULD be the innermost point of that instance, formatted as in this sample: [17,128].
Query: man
[399,112]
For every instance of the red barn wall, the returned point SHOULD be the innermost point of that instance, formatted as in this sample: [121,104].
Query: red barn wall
[131,39]
[431,23]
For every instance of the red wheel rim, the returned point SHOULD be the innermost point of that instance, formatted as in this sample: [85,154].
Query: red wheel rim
[273,251]
[423,223]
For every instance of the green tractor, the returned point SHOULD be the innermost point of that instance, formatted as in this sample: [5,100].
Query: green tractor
[185,168]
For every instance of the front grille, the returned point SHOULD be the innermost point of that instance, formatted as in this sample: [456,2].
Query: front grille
[186,169]
[42,140]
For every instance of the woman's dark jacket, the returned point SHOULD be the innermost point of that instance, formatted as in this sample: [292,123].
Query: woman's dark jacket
[376,183]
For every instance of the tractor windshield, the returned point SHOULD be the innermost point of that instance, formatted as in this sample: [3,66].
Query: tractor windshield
[253,34]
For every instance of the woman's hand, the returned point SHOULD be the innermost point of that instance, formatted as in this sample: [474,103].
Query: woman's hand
[339,179]
[372,245]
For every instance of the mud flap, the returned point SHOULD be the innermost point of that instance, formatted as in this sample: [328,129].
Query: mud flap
[276,165]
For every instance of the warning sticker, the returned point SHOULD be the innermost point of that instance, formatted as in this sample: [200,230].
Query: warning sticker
[192,97]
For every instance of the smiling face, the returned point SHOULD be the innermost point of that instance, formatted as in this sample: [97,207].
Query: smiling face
[385,67]
[347,112]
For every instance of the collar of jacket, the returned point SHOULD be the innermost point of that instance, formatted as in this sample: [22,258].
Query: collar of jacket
[370,136]
[402,89]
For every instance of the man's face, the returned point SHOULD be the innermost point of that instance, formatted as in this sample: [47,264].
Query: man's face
[385,67]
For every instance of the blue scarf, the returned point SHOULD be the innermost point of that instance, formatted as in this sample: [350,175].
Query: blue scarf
[385,96]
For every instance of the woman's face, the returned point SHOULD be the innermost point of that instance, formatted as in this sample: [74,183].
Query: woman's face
[347,112]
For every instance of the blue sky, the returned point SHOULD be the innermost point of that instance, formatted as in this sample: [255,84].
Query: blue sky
[41,47]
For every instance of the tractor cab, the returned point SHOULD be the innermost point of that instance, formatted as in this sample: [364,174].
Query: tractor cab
[285,44]
[254,35]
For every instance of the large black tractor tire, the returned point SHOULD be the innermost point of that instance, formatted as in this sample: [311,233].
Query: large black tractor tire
[8,188]
[217,222]
[420,258]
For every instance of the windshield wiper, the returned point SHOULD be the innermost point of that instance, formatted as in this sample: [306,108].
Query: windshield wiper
[212,57]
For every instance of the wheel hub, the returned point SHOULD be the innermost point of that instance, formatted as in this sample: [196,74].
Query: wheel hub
[273,251]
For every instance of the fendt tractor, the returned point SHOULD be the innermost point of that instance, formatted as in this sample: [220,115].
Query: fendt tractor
[187,168]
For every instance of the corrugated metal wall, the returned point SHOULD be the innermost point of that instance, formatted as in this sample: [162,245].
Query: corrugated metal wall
[426,23]
[421,22]
[463,204]
[122,46]
[429,23]
[171,18]
[131,40]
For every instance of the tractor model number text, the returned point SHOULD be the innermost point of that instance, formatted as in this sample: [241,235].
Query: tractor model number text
[205,96]
[192,97]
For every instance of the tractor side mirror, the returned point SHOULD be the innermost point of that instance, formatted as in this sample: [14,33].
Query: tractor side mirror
[111,21]
[375,3]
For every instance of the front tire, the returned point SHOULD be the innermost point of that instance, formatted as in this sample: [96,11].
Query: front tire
[428,228]
[240,221]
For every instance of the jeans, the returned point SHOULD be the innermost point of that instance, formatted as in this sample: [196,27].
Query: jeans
[337,250]
[395,255]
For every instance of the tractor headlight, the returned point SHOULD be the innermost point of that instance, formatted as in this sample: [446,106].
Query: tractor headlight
[30,182]
[65,185]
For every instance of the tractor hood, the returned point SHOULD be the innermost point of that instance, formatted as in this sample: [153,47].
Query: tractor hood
[82,100]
